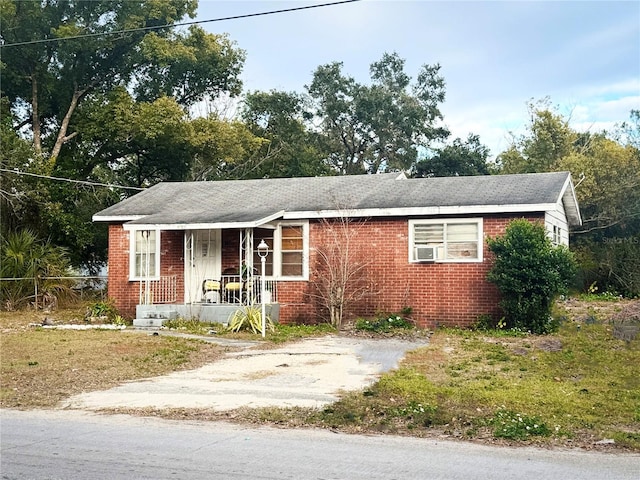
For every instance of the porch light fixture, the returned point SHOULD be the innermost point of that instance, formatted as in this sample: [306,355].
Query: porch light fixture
[263,251]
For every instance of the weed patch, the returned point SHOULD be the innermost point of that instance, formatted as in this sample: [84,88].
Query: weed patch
[384,323]
[515,426]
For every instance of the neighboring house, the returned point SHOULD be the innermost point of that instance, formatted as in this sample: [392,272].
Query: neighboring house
[190,248]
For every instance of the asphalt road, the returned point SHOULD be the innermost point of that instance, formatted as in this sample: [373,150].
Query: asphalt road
[73,445]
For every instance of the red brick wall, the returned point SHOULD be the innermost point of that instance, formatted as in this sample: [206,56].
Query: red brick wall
[120,290]
[438,293]
[125,293]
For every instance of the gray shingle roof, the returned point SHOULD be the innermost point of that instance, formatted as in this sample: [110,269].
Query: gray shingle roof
[251,200]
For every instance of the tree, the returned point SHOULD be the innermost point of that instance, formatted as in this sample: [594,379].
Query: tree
[459,158]
[548,140]
[46,82]
[529,272]
[15,153]
[292,148]
[222,149]
[606,171]
[608,242]
[142,142]
[379,127]
[105,106]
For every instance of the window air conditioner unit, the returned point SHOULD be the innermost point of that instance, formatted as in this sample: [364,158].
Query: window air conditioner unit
[425,254]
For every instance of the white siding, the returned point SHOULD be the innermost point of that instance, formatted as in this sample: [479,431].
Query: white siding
[556,224]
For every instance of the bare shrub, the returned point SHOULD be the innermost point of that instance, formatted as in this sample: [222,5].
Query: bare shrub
[340,271]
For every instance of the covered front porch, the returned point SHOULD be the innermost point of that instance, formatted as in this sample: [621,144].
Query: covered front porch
[221,273]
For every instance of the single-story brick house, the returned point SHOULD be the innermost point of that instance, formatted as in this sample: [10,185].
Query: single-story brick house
[190,248]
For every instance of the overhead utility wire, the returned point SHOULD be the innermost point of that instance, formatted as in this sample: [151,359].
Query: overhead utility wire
[182,24]
[82,182]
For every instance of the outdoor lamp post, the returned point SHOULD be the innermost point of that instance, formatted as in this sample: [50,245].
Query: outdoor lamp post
[263,251]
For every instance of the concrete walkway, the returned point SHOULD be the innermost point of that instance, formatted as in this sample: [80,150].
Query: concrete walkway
[309,373]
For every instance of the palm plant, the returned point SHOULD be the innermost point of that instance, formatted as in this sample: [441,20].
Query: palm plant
[249,317]
[32,270]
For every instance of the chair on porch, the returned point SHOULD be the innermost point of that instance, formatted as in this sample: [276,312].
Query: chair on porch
[252,287]
[232,285]
[211,286]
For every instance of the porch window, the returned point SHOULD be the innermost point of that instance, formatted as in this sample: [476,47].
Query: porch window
[292,250]
[288,247]
[145,254]
[455,240]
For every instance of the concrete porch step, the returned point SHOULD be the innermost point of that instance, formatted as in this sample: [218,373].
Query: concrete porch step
[148,322]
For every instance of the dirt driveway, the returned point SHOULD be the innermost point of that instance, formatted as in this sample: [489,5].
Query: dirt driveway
[309,373]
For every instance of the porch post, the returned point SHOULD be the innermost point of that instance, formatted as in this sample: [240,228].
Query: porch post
[263,251]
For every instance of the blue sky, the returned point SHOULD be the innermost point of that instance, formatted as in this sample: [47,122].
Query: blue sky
[495,56]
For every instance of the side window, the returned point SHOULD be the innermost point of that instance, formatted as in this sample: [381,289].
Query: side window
[456,240]
[557,236]
[145,254]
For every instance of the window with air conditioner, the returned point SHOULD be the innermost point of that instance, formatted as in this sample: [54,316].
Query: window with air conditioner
[454,240]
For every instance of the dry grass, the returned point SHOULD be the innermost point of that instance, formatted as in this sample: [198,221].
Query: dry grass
[39,367]
[581,383]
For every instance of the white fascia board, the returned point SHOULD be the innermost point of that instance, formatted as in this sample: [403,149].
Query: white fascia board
[262,223]
[570,202]
[116,218]
[422,211]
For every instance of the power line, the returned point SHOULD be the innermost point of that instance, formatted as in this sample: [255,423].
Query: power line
[82,182]
[182,24]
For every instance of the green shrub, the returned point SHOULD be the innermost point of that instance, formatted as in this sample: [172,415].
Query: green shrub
[384,323]
[529,272]
[103,308]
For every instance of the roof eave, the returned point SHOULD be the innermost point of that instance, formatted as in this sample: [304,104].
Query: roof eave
[261,222]
[570,202]
[116,218]
[421,211]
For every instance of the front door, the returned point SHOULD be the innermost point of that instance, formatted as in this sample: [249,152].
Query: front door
[202,261]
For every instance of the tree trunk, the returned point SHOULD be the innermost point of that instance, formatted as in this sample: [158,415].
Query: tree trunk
[35,115]
[62,134]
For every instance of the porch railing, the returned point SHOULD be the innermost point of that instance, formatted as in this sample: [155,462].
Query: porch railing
[235,289]
[164,290]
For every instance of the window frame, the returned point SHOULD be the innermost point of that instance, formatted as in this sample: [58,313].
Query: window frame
[277,252]
[556,235]
[132,255]
[447,221]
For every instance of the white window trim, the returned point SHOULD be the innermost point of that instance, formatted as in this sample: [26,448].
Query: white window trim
[132,256]
[450,221]
[277,253]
